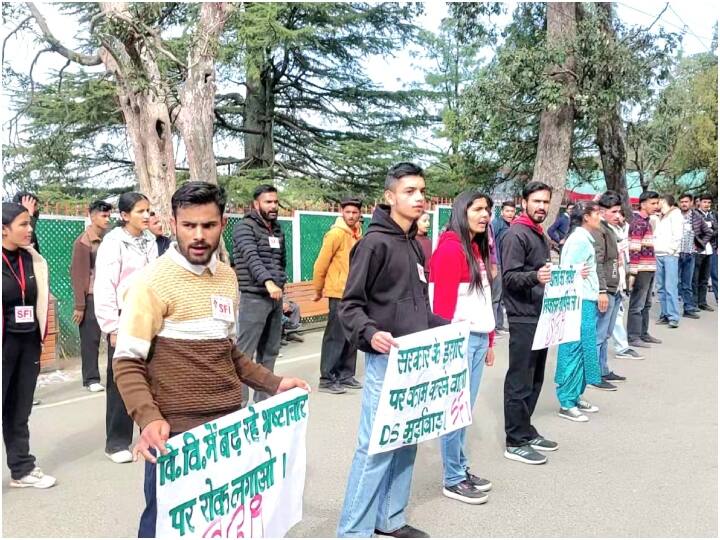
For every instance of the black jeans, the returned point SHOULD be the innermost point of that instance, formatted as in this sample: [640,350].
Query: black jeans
[638,320]
[20,370]
[89,343]
[338,356]
[259,333]
[700,278]
[523,382]
[118,424]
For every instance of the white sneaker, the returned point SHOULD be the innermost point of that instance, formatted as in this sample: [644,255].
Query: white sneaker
[36,479]
[584,406]
[123,456]
[95,387]
[573,413]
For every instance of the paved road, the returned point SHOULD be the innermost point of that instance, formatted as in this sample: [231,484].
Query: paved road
[646,465]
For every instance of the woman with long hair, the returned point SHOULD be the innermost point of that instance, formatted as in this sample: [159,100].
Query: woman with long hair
[25,297]
[123,252]
[460,290]
[577,362]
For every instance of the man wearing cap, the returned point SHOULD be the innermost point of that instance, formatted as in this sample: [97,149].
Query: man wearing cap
[338,356]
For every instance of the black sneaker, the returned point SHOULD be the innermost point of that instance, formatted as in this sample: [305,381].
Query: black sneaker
[294,336]
[705,307]
[406,531]
[638,344]
[543,444]
[352,382]
[479,483]
[650,339]
[662,320]
[691,315]
[614,377]
[465,492]
[525,454]
[604,385]
[331,388]
[630,353]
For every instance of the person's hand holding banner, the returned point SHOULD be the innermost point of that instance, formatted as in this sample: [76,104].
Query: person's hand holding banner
[585,272]
[154,436]
[382,342]
[292,382]
[543,274]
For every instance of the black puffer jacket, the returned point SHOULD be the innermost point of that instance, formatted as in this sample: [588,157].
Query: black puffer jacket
[255,261]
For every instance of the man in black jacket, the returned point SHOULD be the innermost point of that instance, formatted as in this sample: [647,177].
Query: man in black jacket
[526,270]
[386,296]
[259,260]
[703,253]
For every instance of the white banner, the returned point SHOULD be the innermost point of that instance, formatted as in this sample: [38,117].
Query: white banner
[241,475]
[561,310]
[426,392]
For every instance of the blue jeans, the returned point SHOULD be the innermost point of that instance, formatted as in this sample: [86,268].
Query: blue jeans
[686,267]
[452,445]
[619,333]
[667,283]
[378,488]
[604,330]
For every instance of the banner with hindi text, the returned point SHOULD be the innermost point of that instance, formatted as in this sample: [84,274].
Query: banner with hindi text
[561,313]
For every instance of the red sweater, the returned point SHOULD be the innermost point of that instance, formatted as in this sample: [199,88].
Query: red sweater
[448,270]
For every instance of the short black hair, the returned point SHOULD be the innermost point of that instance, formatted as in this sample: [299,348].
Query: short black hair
[401,170]
[534,186]
[580,210]
[197,193]
[10,211]
[263,188]
[686,196]
[645,195]
[609,199]
[706,197]
[511,204]
[99,206]
[668,199]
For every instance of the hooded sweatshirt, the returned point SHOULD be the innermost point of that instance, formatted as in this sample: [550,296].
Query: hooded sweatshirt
[333,262]
[450,292]
[386,289]
[524,251]
[118,259]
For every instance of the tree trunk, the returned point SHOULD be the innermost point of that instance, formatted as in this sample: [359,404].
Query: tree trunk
[259,112]
[611,132]
[556,124]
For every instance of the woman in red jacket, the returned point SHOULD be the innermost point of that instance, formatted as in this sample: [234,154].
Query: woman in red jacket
[460,291]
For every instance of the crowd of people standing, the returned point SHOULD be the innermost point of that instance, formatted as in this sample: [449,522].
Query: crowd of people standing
[129,284]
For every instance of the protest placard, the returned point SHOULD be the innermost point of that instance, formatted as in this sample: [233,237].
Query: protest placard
[241,475]
[426,392]
[561,308]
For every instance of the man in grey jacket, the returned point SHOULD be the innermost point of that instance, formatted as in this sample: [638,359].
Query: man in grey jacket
[608,262]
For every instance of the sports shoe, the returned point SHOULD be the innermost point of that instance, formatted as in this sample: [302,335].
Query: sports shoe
[331,388]
[543,444]
[294,336]
[36,402]
[406,531]
[123,456]
[584,406]
[673,324]
[95,387]
[630,353]
[662,320]
[352,383]
[36,478]
[638,344]
[573,413]
[613,377]
[525,454]
[691,315]
[479,483]
[706,307]
[604,385]
[650,339]
[465,492]
[501,331]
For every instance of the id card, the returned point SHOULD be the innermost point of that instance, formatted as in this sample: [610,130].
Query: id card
[274,242]
[222,308]
[421,273]
[24,314]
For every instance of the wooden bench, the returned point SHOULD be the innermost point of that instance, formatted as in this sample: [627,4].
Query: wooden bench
[49,355]
[302,293]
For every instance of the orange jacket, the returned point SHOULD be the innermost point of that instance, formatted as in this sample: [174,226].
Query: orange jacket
[333,263]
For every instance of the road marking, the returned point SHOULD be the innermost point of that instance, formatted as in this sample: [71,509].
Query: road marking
[291,360]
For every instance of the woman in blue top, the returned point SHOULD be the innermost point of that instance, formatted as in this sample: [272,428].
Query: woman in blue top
[577,362]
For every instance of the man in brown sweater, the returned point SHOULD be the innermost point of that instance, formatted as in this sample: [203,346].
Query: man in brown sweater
[184,306]
[82,275]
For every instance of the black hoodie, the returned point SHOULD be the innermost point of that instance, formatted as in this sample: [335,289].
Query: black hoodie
[384,291]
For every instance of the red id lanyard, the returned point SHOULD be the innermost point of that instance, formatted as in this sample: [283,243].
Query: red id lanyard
[21,279]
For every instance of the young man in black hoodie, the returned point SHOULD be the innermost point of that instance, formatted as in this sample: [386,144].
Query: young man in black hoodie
[386,296]
[526,270]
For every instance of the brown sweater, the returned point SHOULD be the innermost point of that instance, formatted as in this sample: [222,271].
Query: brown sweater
[82,266]
[194,373]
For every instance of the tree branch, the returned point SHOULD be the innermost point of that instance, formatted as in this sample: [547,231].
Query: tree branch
[17,28]
[56,46]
